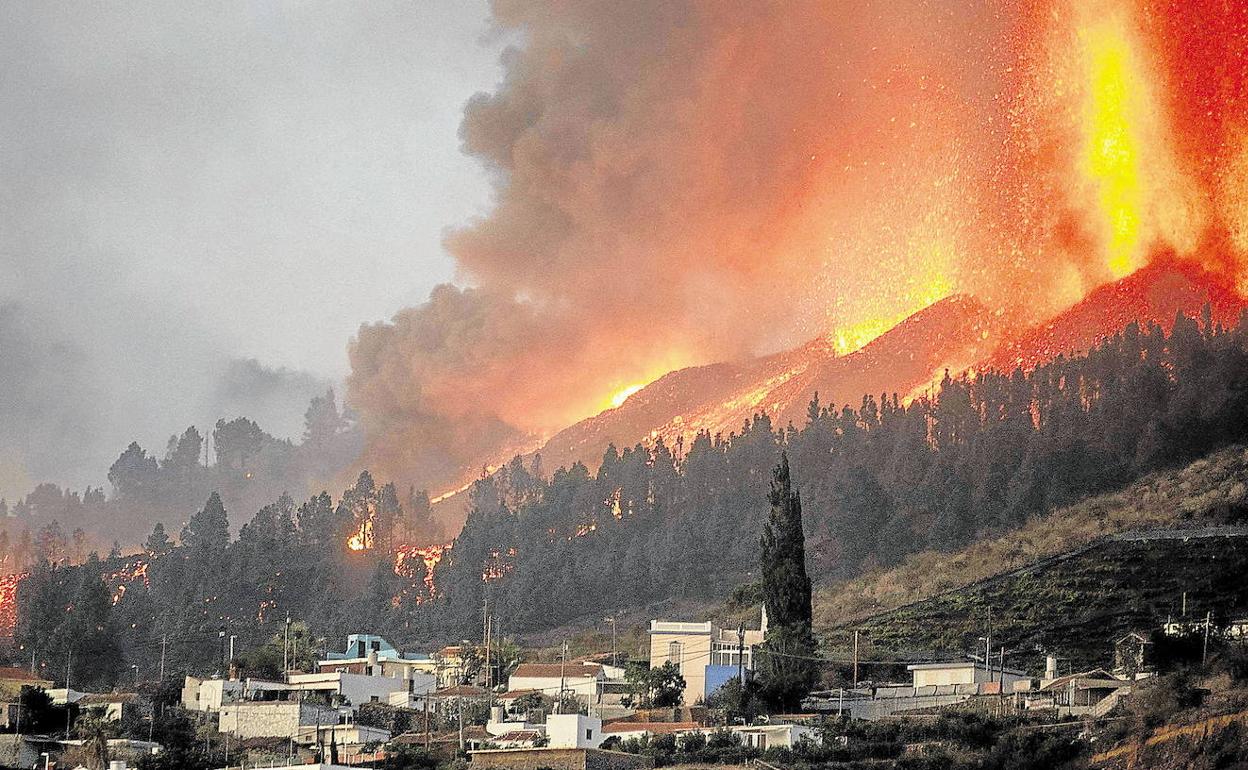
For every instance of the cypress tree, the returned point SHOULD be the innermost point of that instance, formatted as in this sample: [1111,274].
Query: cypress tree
[786,663]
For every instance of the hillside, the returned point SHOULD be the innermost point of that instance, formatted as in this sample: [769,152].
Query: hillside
[719,398]
[1201,492]
[1155,293]
[1075,605]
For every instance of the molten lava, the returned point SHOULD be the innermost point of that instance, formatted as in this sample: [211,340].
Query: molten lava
[405,560]
[8,601]
[620,397]
[131,572]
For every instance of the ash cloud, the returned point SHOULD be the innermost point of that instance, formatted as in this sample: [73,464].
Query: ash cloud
[678,182]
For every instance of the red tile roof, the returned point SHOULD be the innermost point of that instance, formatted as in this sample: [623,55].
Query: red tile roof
[11,674]
[555,670]
[654,728]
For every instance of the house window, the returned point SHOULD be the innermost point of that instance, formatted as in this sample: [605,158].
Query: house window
[674,652]
[374,699]
[589,735]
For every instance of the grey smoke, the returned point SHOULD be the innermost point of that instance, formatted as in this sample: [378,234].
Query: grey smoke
[200,203]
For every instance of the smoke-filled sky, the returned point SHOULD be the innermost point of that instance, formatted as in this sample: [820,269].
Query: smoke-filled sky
[692,180]
[201,202]
[534,205]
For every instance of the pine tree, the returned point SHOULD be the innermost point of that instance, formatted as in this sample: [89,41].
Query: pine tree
[208,531]
[158,543]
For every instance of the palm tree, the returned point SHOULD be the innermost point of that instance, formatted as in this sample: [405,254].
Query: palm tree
[94,729]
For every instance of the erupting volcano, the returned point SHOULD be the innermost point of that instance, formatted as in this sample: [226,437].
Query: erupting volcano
[880,192]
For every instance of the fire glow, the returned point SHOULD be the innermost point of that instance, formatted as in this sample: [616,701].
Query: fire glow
[405,559]
[120,580]
[1022,154]
[8,601]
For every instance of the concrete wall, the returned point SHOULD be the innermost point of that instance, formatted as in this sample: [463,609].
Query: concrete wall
[209,694]
[573,731]
[271,720]
[559,759]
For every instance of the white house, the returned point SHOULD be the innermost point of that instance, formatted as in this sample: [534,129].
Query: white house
[962,672]
[582,679]
[573,731]
[756,736]
[560,731]
[211,694]
[354,689]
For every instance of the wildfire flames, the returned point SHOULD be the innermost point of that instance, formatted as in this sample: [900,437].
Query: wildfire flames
[8,601]
[120,580]
[429,555]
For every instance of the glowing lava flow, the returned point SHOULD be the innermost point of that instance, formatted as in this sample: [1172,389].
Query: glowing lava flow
[1111,151]
[8,601]
[121,579]
[430,555]
[620,397]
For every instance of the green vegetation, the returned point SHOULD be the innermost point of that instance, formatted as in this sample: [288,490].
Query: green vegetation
[1075,607]
[990,453]
[660,687]
[1211,490]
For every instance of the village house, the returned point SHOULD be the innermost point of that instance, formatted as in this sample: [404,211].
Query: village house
[963,672]
[563,731]
[211,694]
[275,719]
[372,655]
[1088,693]
[583,680]
[762,737]
[12,680]
[354,690]
[113,706]
[706,654]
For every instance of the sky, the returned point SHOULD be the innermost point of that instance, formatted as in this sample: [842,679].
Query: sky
[201,203]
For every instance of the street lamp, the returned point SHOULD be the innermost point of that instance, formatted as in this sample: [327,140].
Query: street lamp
[136,676]
[44,754]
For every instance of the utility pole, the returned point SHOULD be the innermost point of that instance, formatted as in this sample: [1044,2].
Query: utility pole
[855,658]
[286,652]
[460,700]
[988,644]
[69,662]
[221,640]
[232,638]
[1204,655]
[615,661]
[164,639]
[741,658]
[563,662]
[489,661]
[426,702]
